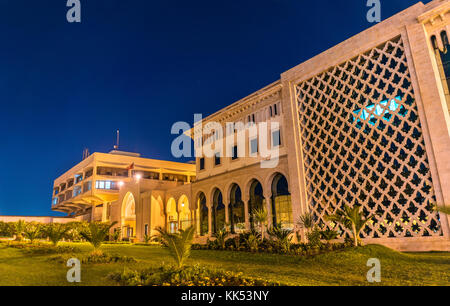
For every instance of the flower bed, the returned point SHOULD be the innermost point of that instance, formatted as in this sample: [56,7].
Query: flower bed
[187,276]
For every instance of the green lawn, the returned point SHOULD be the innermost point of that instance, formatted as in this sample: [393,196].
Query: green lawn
[338,268]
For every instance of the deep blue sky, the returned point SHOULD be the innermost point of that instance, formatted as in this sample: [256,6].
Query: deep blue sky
[139,66]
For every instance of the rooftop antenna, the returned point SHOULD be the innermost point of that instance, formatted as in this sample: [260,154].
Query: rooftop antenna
[116,146]
[85,153]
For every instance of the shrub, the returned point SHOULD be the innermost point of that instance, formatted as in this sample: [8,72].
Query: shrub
[55,232]
[96,233]
[42,248]
[188,276]
[18,229]
[6,229]
[115,236]
[329,235]
[283,237]
[32,231]
[75,228]
[97,257]
[314,237]
[252,242]
[220,236]
[179,244]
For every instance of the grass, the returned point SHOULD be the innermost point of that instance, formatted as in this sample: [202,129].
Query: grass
[347,267]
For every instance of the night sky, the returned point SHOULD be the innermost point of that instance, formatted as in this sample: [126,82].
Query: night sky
[139,66]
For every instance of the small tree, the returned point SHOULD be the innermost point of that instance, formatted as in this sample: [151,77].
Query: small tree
[96,233]
[75,228]
[6,229]
[32,231]
[179,244]
[329,235]
[282,236]
[55,232]
[260,216]
[352,219]
[19,229]
[306,221]
[220,236]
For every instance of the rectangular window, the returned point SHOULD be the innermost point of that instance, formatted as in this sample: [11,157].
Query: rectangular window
[234,153]
[254,146]
[276,139]
[202,163]
[275,109]
[107,185]
[87,186]
[217,159]
[76,190]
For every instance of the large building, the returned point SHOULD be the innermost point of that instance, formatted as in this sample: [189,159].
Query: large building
[138,193]
[364,123]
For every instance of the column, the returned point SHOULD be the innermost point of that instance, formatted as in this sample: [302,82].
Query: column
[269,210]
[247,216]
[208,204]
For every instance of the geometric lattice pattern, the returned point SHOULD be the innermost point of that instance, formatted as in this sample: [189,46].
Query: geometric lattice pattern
[363,144]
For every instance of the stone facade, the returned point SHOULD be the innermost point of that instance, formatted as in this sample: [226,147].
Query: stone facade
[363,123]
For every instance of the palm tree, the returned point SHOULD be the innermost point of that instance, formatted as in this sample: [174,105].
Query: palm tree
[32,231]
[179,244]
[18,229]
[260,216]
[283,237]
[220,236]
[329,235]
[352,219]
[97,232]
[55,232]
[306,221]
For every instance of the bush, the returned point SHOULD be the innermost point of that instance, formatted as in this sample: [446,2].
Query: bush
[43,248]
[187,276]
[96,257]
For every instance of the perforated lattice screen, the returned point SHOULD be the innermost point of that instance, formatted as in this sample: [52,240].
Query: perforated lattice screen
[363,144]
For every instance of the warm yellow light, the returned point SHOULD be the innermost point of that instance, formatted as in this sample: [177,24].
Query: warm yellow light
[138,176]
[120,184]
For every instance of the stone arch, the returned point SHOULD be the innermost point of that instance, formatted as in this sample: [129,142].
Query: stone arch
[281,201]
[217,210]
[211,193]
[184,212]
[248,183]
[128,216]
[157,212]
[236,208]
[255,198]
[269,179]
[172,215]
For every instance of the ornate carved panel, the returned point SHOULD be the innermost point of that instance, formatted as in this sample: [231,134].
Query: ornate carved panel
[363,144]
